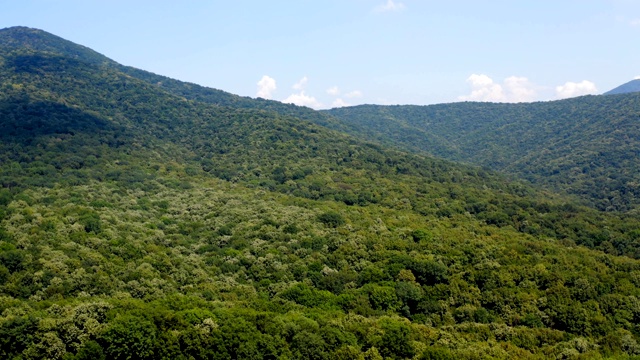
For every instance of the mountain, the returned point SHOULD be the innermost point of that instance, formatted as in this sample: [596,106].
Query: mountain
[586,146]
[630,87]
[21,38]
[146,220]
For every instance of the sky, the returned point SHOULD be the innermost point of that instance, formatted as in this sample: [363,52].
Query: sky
[332,53]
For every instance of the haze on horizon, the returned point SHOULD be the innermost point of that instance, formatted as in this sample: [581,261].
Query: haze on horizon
[334,53]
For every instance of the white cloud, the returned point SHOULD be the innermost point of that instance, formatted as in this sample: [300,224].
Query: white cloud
[483,89]
[390,6]
[303,99]
[300,85]
[634,22]
[339,103]
[333,91]
[572,89]
[519,89]
[354,94]
[513,89]
[481,80]
[266,87]
[637,77]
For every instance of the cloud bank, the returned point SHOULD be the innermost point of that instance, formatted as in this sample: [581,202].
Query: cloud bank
[302,99]
[519,89]
[573,89]
[339,103]
[266,87]
[512,89]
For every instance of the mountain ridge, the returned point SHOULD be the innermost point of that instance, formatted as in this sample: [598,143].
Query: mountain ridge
[41,40]
[583,146]
[628,87]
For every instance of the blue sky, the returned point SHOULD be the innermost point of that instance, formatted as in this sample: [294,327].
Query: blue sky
[327,53]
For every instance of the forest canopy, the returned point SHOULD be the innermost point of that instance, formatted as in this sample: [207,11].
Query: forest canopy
[142,220]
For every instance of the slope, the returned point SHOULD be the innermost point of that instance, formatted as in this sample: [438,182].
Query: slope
[585,146]
[253,147]
[137,223]
[629,87]
[20,38]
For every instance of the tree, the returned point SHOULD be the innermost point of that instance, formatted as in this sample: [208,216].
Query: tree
[395,343]
[129,337]
[331,219]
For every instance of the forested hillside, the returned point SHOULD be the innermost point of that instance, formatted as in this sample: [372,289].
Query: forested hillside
[139,222]
[586,146]
[21,38]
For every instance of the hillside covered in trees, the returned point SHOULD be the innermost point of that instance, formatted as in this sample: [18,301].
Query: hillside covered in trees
[139,220]
[587,146]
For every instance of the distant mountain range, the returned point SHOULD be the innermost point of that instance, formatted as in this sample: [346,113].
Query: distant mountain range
[630,87]
[588,146]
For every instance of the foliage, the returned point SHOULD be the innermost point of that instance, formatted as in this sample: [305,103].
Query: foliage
[585,146]
[137,223]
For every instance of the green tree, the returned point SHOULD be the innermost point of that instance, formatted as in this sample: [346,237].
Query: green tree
[396,341]
[129,337]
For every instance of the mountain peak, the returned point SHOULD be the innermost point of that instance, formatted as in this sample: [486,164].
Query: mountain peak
[21,30]
[629,87]
[22,37]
